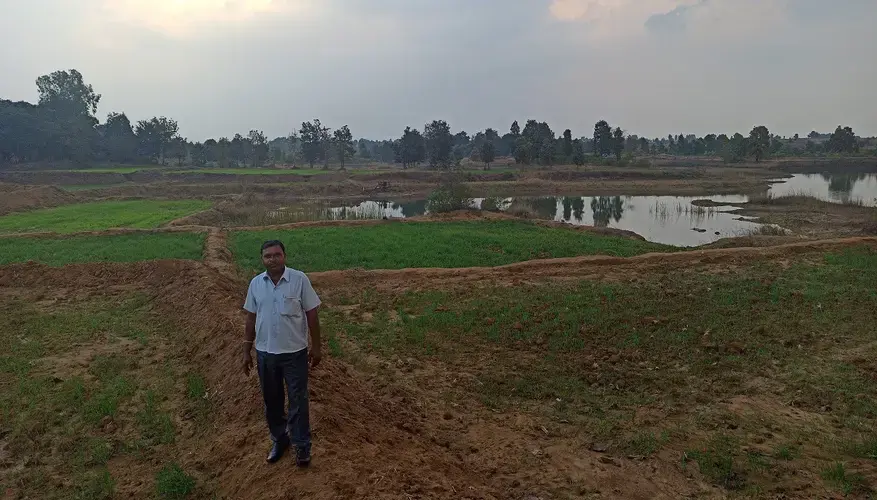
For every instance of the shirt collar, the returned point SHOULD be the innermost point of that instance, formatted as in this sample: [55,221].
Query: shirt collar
[286,275]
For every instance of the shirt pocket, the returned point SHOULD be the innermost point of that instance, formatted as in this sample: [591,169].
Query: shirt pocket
[291,306]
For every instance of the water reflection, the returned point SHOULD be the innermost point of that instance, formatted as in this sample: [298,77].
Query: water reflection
[605,208]
[664,219]
[833,187]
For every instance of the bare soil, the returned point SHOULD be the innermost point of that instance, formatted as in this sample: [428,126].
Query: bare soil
[14,198]
[811,218]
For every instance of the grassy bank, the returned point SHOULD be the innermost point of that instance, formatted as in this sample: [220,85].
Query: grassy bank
[115,248]
[760,380]
[429,244]
[81,411]
[141,214]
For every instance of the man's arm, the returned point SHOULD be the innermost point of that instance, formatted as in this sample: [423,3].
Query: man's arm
[316,353]
[247,343]
[249,331]
[311,303]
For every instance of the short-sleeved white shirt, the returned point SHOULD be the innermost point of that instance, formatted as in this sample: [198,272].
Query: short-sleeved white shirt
[281,325]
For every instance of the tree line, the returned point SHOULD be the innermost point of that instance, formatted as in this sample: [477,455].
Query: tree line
[63,126]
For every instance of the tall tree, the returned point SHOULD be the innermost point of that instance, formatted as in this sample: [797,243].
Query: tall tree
[258,151]
[179,149]
[710,143]
[759,142]
[155,136]
[66,93]
[843,140]
[513,136]
[364,150]
[523,151]
[681,145]
[488,150]
[602,139]
[567,144]
[515,129]
[199,153]
[546,152]
[119,139]
[439,143]
[736,148]
[223,152]
[618,143]
[313,136]
[644,145]
[578,153]
[241,149]
[410,149]
[344,144]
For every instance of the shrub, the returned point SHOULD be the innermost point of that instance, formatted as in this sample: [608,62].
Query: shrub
[451,195]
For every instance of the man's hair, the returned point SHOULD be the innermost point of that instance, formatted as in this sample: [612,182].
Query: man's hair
[272,243]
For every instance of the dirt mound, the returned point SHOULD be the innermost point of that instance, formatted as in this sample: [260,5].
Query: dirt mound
[752,241]
[14,198]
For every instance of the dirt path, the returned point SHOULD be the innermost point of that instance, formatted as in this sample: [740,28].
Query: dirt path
[217,256]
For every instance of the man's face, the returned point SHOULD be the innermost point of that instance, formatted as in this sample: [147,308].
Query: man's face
[274,259]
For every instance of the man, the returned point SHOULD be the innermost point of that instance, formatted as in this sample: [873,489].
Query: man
[281,309]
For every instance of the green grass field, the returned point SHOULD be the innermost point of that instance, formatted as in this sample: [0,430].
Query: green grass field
[250,171]
[749,377]
[429,244]
[114,248]
[75,394]
[141,214]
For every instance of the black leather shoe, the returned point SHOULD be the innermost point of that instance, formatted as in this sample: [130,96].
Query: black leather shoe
[277,451]
[302,456]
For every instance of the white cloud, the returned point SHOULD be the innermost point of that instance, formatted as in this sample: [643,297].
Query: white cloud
[614,17]
[184,18]
[714,18]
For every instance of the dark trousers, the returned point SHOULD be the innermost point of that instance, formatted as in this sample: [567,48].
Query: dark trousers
[274,370]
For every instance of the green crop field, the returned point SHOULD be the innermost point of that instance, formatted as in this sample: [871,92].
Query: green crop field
[110,248]
[429,244]
[748,377]
[96,375]
[141,214]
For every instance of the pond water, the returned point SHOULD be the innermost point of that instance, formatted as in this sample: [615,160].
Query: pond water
[836,188]
[671,220]
[663,219]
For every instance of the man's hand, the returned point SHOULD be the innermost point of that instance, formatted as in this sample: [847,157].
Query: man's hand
[314,357]
[247,360]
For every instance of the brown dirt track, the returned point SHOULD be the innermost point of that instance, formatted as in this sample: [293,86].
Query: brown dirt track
[377,437]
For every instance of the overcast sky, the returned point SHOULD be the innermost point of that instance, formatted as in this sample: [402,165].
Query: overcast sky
[653,67]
